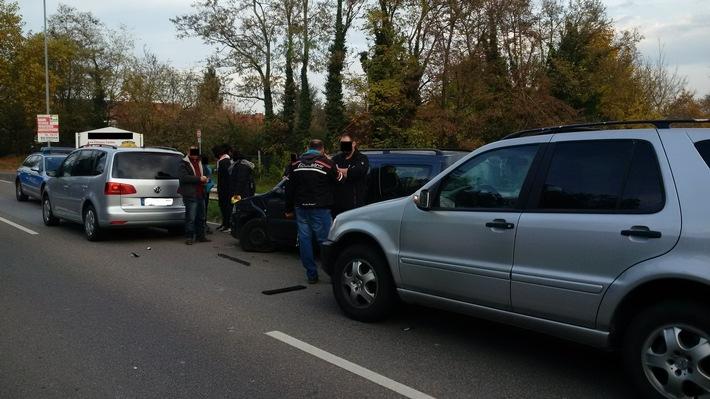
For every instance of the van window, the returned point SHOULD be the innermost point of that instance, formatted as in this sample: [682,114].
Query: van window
[146,165]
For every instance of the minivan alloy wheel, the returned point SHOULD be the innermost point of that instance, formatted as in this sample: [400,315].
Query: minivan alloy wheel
[359,283]
[676,360]
[90,223]
[47,210]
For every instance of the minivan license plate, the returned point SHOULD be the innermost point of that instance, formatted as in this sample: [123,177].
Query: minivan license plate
[157,201]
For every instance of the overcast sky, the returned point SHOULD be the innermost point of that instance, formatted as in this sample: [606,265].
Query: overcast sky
[682,27]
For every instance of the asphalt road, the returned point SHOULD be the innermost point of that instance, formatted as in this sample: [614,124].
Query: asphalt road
[91,320]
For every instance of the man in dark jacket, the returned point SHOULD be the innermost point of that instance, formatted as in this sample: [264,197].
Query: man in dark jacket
[192,189]
[224,162]
[309,193]
[241,177]
[353,164]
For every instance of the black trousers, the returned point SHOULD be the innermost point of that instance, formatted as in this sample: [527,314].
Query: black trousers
[225,207]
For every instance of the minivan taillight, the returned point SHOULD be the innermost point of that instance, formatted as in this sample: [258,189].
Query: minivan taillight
[113,188]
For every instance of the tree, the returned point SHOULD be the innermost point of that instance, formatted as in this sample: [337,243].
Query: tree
[334,104]
[288,113]
[248,30]
[98,69]
[305,104]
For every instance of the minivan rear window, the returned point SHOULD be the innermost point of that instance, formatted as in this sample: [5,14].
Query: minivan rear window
[146,165]
[703,148]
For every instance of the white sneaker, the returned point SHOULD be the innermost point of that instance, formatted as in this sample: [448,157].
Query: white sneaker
[228,230]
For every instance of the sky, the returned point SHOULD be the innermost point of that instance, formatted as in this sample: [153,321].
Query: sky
[680,27]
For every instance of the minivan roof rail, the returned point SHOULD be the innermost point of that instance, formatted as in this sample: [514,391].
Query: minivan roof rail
[161,147]
[99,145]
[583,127]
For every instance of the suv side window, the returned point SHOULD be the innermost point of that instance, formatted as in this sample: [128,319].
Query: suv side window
[492,180]
[604,176]
[703,148]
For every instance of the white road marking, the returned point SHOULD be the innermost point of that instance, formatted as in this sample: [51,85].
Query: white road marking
[349,366]
[15,225]
[5,181]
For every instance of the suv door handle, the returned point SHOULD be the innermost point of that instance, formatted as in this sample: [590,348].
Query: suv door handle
[500,224]
[641,231]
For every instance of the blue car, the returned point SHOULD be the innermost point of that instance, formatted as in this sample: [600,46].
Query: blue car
[32,174]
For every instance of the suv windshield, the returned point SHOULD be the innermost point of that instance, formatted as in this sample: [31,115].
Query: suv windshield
[146,165]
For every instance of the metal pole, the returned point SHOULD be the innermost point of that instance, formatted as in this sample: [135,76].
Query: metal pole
[46,64]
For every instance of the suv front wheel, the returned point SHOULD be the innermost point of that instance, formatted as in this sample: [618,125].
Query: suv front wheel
[362,284]
[667,350]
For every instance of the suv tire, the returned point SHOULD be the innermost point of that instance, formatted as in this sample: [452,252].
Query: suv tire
[254,236]
[19,195]
[667,350]
[47,216]
[91,224]
[362,284]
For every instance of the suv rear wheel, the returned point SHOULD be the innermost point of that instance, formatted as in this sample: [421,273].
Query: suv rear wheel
[667,350]
[18,192]
[362,284]
[91,224]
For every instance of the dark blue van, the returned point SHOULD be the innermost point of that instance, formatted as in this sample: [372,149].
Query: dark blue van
[259,222]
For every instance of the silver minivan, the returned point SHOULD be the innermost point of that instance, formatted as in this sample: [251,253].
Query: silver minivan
[105,187]
[594,235]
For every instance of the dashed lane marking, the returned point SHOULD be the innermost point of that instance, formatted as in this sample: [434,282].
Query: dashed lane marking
[349,366]
[17,226]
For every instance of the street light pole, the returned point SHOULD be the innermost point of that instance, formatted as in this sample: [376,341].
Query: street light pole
[46,64]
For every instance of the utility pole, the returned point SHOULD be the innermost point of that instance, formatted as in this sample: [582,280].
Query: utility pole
[46,63]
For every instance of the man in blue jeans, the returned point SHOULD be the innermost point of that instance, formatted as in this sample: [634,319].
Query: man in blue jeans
[309,192]
[192,189]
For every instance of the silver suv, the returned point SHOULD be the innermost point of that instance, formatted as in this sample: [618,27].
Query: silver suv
[593,235]
[106,187]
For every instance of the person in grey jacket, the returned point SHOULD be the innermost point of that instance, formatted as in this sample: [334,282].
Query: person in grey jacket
[192,189]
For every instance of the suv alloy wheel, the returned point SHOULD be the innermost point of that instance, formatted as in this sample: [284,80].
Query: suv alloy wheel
[667,350]
[362,284]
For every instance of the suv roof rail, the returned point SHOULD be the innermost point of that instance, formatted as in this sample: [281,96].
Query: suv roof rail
[99,145]
[583,127]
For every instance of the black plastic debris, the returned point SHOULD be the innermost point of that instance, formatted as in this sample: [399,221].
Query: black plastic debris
[233,259]
[135,255]
[282,290]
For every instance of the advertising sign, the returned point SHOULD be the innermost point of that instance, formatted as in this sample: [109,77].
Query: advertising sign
[48,128]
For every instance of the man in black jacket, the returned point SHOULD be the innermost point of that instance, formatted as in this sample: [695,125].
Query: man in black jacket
[309,193]
[224,162]
[353,164]
[192,189]
[241,177]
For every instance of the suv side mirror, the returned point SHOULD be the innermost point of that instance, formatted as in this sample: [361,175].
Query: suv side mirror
[423,200]
[35,170]
[52,173]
